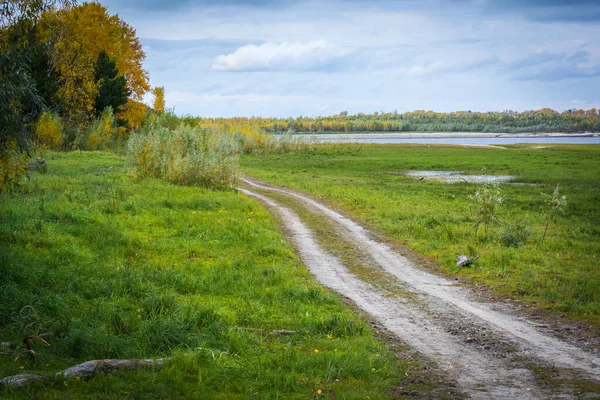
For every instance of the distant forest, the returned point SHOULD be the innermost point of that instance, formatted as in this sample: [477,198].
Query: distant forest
[544,120]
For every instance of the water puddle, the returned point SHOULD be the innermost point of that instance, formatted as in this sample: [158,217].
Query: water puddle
[458,176]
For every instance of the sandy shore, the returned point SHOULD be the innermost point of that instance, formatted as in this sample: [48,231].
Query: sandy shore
[443,135]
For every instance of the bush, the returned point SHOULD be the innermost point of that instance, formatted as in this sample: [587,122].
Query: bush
[250,137]
[103,132]
[167,119]
[186,156]
[288,142]
[516,234]
[487,201]
[13,165]
[253,139]
[556,204]
[49,131]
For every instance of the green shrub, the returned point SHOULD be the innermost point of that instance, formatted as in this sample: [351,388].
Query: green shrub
[103,133]
[49,131]
[516,234]
[556,203]
[185,156]
[487,201]
[166,119]
[13,164]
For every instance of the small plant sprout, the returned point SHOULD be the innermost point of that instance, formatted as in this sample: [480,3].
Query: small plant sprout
[487,200]
[556,203]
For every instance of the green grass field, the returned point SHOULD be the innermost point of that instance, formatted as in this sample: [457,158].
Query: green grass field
[436,219]
[116,267]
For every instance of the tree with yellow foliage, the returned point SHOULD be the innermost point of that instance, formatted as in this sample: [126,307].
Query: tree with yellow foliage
[159,99]
[48,131]
[79,35]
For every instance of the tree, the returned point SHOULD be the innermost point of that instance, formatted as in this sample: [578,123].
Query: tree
[20,99]
[159,99]
[79,34]
[112,87]
[15,12]
[44,75]
[135,112]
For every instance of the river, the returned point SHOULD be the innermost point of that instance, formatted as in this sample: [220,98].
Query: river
[472,139]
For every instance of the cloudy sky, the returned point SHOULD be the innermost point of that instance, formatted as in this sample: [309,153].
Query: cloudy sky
[291,57]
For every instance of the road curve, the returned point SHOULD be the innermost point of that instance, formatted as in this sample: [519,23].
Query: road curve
[480,345]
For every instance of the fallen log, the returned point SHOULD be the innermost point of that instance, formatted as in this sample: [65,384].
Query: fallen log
[88,369]
[39,164]
[284,332]
[20,380]
[7,346]
[464,261]
[85,370]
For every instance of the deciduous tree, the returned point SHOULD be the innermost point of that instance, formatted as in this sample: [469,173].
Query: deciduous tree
[80,34]
[159,99]
[20,100]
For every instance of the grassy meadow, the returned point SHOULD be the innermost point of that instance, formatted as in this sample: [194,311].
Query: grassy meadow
[114,266]
[560,273]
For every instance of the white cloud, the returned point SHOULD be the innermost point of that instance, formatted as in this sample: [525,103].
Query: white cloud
[314,54]
[442,67]
[250,104]
[385,55]
[178,97]
[428,69]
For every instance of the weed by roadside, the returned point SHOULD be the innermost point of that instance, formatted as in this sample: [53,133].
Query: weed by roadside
[487,200]
[517,233]
[555,204]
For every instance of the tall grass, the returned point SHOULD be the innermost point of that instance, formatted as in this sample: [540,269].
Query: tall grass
[202,155]
[117,267]
[253,138]
[185,155]
[103,132]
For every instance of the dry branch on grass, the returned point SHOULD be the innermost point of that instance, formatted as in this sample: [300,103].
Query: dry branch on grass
[28,342]
[85,370]
[275,332]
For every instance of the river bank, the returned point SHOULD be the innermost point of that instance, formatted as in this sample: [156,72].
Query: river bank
[437,135]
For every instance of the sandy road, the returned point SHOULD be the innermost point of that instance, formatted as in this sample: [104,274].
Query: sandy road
[485,348]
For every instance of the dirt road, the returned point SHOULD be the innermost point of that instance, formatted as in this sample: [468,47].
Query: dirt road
[485,348]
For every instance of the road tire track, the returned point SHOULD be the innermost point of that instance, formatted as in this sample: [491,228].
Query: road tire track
[485,349]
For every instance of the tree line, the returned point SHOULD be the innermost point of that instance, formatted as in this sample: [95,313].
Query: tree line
[544,120]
